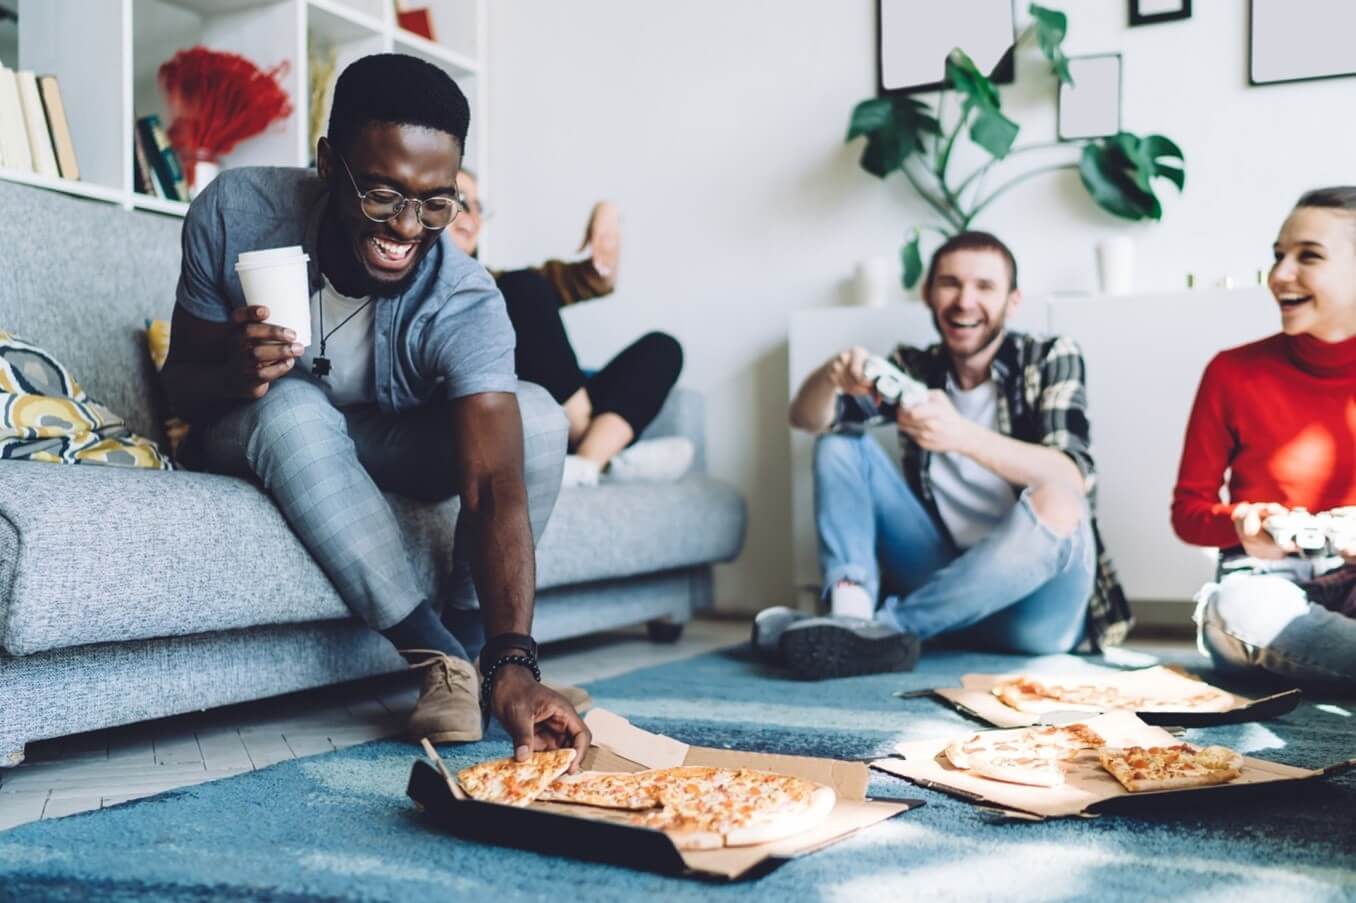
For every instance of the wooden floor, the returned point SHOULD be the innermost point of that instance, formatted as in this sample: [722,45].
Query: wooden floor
[107,767]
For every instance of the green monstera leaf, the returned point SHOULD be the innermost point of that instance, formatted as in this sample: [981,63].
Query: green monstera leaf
[911,260]
[1050,26]
[991,130]
[894,128]
[1118,173]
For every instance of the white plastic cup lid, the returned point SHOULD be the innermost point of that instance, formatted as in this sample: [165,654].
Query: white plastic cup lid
[271,257]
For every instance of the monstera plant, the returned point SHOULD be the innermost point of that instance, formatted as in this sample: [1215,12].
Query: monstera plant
[905,134]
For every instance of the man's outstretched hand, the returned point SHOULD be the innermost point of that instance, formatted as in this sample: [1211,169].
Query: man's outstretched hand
[536,717]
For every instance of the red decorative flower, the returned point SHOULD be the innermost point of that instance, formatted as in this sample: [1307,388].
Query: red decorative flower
[215,100]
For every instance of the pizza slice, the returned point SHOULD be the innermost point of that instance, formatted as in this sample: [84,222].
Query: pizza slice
[1061,742]
[606,790]
[1032,770]
[1140,769]
[515,783]
[1039,696]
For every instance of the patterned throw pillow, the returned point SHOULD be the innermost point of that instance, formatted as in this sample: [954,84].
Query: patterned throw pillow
[46,416]
[157,346]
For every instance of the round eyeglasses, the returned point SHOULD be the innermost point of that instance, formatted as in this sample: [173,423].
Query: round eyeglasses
[381,205]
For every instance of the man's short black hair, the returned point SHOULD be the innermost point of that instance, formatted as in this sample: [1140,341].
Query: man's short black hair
[972,241]
[399,89]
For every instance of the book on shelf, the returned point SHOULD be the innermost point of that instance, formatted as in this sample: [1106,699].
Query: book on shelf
[143,177]
[58,127]
[14,152]
[164,160]
[35,119]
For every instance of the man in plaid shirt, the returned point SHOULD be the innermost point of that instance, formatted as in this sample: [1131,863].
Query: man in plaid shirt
[987,533]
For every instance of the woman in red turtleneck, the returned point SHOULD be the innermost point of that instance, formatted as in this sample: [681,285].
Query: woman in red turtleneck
[1278,418]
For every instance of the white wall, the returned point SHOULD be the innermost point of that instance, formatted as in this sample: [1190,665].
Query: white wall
[717,127]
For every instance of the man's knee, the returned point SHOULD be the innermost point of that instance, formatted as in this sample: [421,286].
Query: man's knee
[836,450]
[292,413]
[1059,508]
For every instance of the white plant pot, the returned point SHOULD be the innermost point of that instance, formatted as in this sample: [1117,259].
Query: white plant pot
[873,280]
[1116,265]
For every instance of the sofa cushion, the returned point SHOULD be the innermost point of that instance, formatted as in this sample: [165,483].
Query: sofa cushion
[46,416]
[178,553]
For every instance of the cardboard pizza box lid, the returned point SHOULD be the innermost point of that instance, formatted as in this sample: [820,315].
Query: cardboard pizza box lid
[1088,788]
[618,745]
[973,697]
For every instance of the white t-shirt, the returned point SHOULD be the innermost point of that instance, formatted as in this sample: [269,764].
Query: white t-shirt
[971,499]
[349,349]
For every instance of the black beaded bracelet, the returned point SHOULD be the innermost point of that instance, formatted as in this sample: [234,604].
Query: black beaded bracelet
[487,682]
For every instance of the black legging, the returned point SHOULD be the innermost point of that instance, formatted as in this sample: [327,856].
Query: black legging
[633,385]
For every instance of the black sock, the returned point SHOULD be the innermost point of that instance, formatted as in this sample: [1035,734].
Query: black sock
[421,629]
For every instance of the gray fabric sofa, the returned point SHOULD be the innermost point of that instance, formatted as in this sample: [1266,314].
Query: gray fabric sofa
[127,595]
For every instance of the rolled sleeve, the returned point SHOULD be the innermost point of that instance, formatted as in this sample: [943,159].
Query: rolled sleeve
[1063,407]
[468,343]
[200,291]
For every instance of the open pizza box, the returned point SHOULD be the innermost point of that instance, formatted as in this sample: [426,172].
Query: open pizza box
[974,697]
[561,830]
[1089,789]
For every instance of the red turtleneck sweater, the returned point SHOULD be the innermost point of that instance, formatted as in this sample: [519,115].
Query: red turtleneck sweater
[1280,414]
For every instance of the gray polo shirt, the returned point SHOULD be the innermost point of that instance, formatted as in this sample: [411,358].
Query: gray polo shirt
[448,332]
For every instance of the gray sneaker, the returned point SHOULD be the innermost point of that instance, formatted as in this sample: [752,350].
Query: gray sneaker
[768,626]
[837,646]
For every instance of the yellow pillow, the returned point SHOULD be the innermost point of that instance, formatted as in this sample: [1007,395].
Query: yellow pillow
[157,345]
[46,416]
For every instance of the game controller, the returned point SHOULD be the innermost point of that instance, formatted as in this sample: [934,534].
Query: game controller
[1314,535]
[893,385]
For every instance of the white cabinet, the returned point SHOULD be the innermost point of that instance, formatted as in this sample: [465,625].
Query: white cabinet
[106,54]
[1144,357]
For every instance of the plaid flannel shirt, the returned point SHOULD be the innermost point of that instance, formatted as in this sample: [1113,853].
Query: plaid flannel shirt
[1041,400]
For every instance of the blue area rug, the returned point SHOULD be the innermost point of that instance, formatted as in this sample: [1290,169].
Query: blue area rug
[339,826]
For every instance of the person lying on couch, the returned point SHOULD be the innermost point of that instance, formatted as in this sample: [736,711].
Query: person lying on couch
[1275,417]
[408,386]
[987,532]
[609,409]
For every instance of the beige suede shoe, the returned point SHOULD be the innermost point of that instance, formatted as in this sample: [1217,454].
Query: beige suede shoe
[448,710]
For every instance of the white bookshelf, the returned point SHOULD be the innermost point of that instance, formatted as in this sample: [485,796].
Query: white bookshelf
[105,54]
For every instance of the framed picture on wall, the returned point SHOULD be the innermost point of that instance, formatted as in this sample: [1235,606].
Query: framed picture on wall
[915,36]
[1091,106]
[1151,12]
[1299,40]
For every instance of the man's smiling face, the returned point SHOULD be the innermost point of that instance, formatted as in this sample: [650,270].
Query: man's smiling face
[417,162]
[971,296]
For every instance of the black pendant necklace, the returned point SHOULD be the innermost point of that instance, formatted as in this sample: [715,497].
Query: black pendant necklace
[321,366]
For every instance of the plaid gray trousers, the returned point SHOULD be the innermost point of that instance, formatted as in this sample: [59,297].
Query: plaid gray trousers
[326,468]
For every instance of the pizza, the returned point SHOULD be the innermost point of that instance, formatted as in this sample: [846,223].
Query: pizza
[1039,696]
[709,808]
[515,783]
[1140,769]
[1026,756]
[604,789]
[700,808]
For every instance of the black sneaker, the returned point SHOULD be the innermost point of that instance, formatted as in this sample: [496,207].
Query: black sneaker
[768,626]
[818,648]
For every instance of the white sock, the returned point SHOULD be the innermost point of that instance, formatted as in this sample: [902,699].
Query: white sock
[851,600]
[660,460]
[579,472]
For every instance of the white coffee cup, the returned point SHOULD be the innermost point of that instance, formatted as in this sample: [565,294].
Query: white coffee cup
[277,278]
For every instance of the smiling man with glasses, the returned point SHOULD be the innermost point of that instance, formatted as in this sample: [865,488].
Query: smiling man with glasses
[408,386]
